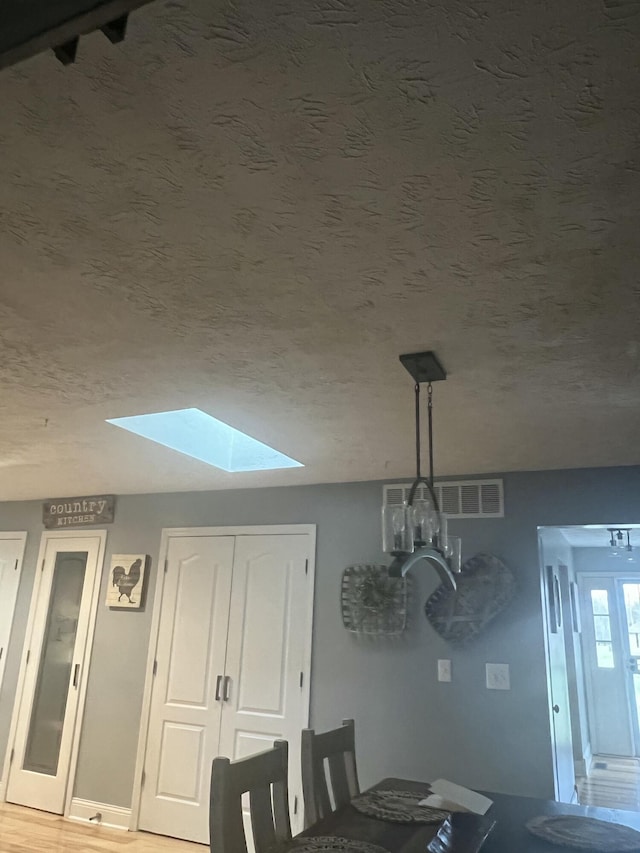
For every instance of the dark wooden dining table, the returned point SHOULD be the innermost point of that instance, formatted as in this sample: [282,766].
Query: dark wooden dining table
[509,834]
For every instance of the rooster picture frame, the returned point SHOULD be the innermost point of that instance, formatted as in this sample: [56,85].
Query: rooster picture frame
[126,585]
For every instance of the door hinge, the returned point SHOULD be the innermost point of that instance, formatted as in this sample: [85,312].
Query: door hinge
[28,656]
[306,567]
[42,567]
[295,804]
[13,752]
[155,666]
[1,652]
[15,568]
[301,679]
[143,778]
[166,565]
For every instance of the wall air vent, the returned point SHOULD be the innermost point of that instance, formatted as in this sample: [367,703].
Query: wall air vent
[457,498]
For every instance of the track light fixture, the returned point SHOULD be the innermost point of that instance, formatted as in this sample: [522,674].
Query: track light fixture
[616,539]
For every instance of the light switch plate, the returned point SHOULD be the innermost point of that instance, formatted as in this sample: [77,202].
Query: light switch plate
[498,677]
[444,670]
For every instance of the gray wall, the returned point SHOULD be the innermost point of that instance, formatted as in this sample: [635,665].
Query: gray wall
[408,724]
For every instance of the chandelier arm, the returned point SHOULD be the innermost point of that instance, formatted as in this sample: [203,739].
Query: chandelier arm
[402,564]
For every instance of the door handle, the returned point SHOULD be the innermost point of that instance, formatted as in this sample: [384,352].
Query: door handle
[556,709]
[76,673]
[227,682]
[218,684]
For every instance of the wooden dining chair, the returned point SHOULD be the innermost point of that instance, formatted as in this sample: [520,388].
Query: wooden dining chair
[264,778]
[338,749]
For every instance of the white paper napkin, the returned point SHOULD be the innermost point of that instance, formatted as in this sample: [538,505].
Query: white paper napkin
[451,797]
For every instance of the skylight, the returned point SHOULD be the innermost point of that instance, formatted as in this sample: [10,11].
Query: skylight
[197,434]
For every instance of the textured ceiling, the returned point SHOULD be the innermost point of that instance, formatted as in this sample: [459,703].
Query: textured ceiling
[254,208]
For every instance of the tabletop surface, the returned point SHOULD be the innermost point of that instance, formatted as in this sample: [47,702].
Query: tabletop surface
[509,812]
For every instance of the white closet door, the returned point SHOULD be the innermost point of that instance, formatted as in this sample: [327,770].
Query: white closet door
[269,637]
[184,723]
[64,603]
[11,553]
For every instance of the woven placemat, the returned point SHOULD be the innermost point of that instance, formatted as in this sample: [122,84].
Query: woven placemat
[397,807]
[329,844]
[585,833]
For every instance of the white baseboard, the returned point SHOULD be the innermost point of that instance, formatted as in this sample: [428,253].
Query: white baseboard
[588,758]
[114,817]
[583,765]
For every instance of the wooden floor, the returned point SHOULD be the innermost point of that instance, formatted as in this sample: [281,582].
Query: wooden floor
[29,831]
[612,783]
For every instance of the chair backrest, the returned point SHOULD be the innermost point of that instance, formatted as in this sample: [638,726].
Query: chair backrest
[338,748]
[264,778]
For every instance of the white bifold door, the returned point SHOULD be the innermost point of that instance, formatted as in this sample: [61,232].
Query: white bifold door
[231,668]
[56,656]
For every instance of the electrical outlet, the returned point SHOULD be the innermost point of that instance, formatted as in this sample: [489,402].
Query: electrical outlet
[498,677]
[444,670]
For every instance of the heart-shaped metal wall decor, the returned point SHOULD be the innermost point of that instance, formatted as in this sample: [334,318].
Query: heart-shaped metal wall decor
[485,587]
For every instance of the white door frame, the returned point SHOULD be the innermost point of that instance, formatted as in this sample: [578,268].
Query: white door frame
[167,533]
[49,536]
[18,536]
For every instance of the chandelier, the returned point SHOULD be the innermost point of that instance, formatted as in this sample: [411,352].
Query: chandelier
[417,530]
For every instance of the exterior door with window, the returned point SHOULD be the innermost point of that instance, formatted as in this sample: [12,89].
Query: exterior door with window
[629,602]
[611,723]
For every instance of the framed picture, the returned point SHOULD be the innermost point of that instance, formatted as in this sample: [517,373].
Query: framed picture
[127,576]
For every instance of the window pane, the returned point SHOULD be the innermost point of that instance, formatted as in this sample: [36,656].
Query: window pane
[599,601]
[632,603]
[632,609]
[602,628]
[54,675]
[604,655]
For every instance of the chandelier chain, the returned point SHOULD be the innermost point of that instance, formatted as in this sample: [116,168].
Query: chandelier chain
[430,424]
[418,461]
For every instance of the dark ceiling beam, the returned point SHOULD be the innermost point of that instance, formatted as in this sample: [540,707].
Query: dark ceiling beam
[28,27]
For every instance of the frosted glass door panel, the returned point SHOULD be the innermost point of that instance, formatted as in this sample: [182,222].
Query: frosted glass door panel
[56,663]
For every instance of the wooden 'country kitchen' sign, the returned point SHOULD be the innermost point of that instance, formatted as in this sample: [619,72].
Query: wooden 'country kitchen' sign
[77,512]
